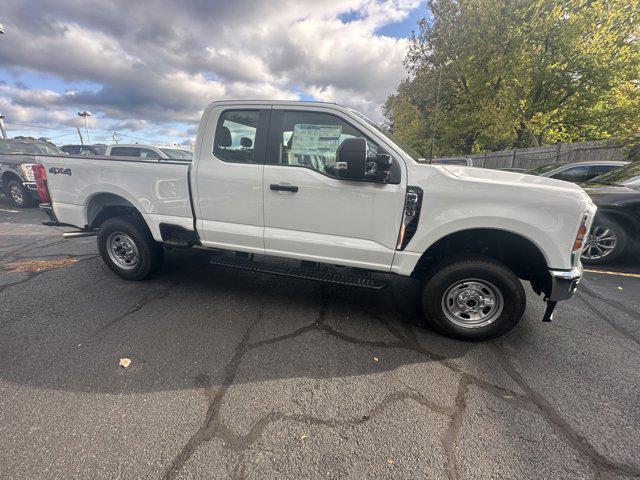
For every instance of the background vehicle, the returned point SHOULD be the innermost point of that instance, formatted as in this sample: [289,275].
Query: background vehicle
[576,172]
[17,157]
[149,151]
[321,184]
[467,162]
[616,228]
[84,149]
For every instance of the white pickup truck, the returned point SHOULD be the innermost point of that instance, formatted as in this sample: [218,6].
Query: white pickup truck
[322,184]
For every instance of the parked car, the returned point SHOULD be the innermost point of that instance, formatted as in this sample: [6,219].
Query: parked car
[149,151]
[17,157]
[616,227]
[462,161]
[321,184]
[84,149]
[576,172]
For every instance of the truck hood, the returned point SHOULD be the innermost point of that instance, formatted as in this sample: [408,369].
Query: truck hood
[512,178]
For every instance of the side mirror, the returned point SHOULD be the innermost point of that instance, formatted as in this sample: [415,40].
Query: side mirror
[351,159]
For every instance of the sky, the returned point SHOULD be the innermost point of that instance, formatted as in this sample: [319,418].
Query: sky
[147,69]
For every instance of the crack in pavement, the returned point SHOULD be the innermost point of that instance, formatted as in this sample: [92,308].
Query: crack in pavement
[31,275]
[214,427]
[602,465]
[584,290]
[34,247]
[450,438]
[211,422]
[145,300]
[627,334]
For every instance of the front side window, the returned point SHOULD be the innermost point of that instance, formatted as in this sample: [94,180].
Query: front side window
[235,136]
[573,174]
[148,153]
[311,139]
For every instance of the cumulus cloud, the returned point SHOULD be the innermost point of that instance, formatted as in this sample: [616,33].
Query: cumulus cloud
[154,62]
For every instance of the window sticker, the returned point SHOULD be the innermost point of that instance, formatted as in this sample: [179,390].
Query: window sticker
[320,140]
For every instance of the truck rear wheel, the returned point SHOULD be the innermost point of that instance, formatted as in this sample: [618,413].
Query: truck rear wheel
[472,297]
[128,249]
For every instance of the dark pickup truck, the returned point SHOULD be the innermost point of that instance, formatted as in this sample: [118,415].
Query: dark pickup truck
[17,157]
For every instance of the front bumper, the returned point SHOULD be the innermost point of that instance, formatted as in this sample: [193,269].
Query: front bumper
[564,283]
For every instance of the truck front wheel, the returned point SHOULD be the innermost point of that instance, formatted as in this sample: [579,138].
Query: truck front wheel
[128,249]
[472,297]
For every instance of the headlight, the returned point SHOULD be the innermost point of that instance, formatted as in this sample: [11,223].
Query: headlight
[27,172]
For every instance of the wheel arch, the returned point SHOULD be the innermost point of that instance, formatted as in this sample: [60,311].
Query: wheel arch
[10,175]
[102,206]
[519,253]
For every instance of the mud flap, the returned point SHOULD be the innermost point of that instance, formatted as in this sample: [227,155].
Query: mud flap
[548,312]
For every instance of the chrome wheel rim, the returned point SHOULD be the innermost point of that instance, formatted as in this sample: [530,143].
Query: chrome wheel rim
[472,303]
[16,194]
[122,250]
[600,242]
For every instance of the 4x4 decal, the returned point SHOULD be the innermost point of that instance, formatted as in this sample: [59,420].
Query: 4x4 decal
[59,170]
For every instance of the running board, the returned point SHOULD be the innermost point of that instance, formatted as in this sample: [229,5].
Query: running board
[306,274]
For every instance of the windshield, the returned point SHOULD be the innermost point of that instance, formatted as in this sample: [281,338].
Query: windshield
[26,147]
[629,176]
[408,149]
[177,154]
[543,169]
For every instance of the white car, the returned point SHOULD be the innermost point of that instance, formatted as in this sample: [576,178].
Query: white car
[324,185]
[149,151]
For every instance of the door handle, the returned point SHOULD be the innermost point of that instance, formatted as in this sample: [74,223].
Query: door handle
[283,187]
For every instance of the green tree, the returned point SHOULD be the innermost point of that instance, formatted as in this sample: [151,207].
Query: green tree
[519,73]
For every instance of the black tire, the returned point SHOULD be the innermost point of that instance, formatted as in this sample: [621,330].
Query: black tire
[478,279]
[604,228]
[128,231]
[18,195]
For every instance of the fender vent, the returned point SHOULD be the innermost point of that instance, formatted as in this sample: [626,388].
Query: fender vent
[412,206]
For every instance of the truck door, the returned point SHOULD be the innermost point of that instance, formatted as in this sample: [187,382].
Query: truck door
[228,180]
[312,215]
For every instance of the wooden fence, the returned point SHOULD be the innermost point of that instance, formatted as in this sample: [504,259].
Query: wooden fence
[560,153]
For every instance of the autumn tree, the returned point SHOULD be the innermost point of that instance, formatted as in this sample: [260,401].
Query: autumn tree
[518,73]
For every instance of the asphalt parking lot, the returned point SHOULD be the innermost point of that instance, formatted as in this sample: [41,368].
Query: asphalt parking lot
[241,375]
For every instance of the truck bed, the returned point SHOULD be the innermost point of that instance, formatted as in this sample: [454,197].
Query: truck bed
[159,190]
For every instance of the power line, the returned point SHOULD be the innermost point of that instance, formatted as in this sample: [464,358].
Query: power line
[65,135]
[138,138]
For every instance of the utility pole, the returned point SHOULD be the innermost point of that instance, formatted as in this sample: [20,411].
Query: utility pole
[435,116]
[85,114]
[115,137]
[80,135]
[2,129]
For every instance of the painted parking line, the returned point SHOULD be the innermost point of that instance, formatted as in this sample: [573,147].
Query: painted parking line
[620,274]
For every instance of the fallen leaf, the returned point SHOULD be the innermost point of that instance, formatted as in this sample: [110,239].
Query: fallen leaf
[390,461]
[376,359]
[125,362]
[303,436]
